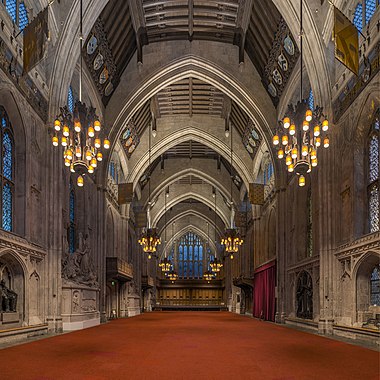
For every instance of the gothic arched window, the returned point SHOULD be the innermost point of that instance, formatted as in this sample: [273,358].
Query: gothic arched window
[71,232]
[375,286]
[373,175]
[17,11]
[190,256]
[7,172]
[358,17]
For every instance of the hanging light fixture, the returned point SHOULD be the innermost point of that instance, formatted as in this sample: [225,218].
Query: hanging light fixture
[215,264]
[302,131]
[173,276]
[80,132]
[165,264]
[149,238]
[231,239]
[208,275]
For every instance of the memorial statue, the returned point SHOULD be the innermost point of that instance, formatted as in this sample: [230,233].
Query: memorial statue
[78,266]
[8,299]
[305,296]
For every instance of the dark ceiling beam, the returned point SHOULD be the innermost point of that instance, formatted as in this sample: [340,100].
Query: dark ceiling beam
[138,20]
[191,19]
[242,23]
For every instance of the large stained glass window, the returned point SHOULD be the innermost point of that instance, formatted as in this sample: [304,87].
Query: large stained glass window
[190,256]
[7,172]
[373,175]
[375,286]
[71,233]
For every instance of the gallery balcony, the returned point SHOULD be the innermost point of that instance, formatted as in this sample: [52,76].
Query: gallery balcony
[118,269]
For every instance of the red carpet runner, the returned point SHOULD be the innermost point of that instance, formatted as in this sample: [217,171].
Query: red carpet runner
[188,345]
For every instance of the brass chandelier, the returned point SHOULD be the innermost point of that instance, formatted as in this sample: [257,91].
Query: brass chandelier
[208,276]
[80,132]
[173,276]
[303,132]
[231,239]
[149,238]
[165,264]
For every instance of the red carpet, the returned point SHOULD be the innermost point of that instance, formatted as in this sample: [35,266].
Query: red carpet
[188,345]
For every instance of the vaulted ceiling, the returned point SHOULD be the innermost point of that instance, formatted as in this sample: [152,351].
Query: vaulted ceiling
[124,27]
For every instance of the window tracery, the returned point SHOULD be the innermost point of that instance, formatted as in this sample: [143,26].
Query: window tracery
[18,12]
[363,13]
[7,172]
[375,286]
[190,256]
[373,175]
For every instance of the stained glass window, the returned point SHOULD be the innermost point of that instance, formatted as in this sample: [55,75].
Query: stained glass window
[22,19]
[358,17]
[370,7]
[190,256]
[310,101]
[70,99]
[11,7]
[22,16]
[71,234]
[6,172]
[373,176]
[375,286]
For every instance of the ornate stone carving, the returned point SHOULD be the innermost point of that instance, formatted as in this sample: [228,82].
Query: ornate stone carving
[304,296]
[8,299]
[78,267]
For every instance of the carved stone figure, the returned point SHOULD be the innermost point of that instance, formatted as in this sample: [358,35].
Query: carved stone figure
[305,296]
[78,267]
[8,298]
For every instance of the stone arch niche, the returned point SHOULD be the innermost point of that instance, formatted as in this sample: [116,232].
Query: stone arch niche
[12,291]
[365,312]
[304,296]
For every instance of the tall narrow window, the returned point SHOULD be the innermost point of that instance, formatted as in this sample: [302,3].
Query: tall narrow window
[310,100]
[7,172]
[71,234]
[370,8]
[373,175]
[375,286]
[190,256]
[309,225]
[17,11]
[70,100]
[358,17]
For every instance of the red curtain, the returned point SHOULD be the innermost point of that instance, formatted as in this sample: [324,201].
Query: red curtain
[264,282]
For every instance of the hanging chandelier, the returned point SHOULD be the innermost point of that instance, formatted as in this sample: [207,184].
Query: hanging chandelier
[231,239]
[173,276]
[149,238]
[80,132]
[208,276]
[165,264]
[302,132]
[215,264]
